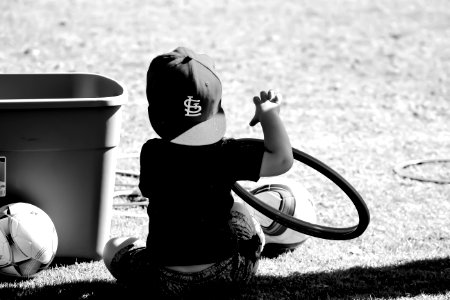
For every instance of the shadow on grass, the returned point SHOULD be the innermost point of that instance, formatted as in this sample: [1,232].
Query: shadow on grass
[429,277]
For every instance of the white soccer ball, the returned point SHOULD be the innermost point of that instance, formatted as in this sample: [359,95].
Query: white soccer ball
[28,240]
[290,198]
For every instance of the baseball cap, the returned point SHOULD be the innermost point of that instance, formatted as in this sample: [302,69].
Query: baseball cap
[184,95]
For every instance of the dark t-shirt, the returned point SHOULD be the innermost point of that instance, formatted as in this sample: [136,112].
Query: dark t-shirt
[189,188]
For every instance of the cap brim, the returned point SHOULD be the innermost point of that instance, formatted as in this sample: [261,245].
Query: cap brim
[205,133]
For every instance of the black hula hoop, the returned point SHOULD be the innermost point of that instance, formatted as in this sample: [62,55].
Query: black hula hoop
[319,231]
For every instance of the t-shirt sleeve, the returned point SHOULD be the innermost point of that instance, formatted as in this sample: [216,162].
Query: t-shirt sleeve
[144,177]
[245,158]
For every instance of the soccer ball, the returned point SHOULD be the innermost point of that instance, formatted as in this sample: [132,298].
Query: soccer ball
[290,198]
[28,240]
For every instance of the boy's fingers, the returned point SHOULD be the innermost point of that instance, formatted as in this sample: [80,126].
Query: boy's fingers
[253,122]
[264,96]
[274,96]
[279,97]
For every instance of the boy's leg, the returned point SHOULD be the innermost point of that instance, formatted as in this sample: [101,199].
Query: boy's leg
[113,246]
[244,224]
[128,261]
[250,238]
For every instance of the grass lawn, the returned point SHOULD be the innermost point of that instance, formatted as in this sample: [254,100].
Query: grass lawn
[366,87]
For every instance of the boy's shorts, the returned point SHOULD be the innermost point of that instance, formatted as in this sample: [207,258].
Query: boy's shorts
[132,266]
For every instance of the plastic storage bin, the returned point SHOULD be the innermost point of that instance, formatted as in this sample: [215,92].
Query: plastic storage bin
[58,134]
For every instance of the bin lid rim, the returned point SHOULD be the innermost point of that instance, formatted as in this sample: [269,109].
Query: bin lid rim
[27,103]
[62,102]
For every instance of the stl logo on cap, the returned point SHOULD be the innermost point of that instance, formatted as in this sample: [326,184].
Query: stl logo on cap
[193,108]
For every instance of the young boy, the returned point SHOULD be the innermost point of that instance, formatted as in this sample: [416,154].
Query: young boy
[199,238]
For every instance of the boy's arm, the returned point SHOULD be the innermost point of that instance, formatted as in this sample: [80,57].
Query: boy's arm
[278,157]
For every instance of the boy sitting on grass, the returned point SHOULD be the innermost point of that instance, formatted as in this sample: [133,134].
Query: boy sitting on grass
[199,238]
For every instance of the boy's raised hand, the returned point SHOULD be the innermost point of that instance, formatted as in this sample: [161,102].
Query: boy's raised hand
[278,156]
[269,101]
